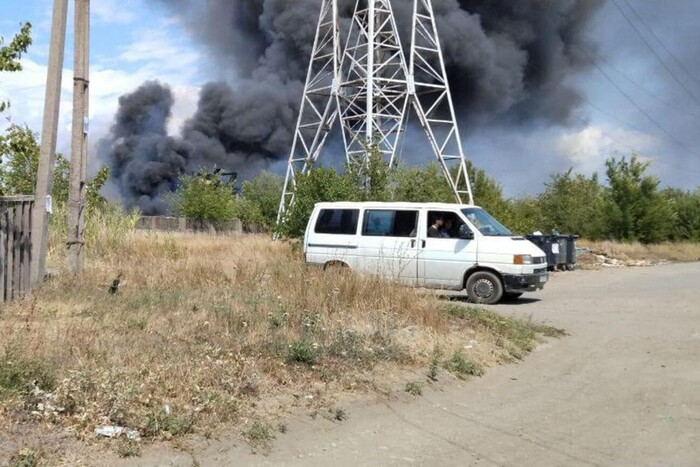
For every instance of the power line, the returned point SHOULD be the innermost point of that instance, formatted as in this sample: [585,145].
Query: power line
[653,51]
[593,56]
[644,112]
[618,140]
[626,124]
[660,42]
[621,142]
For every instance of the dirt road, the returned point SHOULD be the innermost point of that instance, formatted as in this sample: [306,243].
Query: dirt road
[623,389]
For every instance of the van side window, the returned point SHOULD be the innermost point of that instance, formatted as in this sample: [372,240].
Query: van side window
[443,224]
[385,223]
[337,221]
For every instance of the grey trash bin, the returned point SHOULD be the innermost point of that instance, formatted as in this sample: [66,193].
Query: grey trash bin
[550,245]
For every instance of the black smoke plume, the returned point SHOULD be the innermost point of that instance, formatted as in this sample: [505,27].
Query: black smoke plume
[507,62]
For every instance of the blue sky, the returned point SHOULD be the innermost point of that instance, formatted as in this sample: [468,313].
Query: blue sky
[134,41]
[130,43]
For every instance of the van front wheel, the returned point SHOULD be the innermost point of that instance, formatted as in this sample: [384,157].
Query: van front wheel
[484,287]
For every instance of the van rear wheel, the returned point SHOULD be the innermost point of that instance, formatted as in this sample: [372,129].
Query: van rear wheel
[336,267]
[484,287]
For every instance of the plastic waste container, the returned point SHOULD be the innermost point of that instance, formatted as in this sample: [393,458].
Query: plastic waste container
[550,245]
[562,242]
[571,252]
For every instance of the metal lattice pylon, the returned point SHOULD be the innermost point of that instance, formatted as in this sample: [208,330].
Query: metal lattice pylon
[369,86]
[373,91]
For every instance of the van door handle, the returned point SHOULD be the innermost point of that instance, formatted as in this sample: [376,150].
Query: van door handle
[413,243]
[422,243]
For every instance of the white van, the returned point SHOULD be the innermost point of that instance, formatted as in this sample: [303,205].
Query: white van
[434,245]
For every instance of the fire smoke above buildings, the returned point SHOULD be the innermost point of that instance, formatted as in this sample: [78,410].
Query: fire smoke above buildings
[507,61]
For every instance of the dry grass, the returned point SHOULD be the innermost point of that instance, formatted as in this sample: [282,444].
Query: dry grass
[210,330]
[635,251]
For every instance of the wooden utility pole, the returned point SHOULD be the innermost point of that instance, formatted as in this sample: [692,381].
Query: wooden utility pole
[78,163]
[49,132]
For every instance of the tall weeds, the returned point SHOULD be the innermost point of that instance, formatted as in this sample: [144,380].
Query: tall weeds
[205,330]
[108,230]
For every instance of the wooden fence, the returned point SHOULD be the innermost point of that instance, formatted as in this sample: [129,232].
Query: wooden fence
[15,246]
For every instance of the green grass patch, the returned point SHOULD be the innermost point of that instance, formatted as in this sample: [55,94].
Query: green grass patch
[523,334]
[168,424]
[301,352]
[25,458]
[462,366]
[260,435]
[127,448]
[414,388]
[18,376]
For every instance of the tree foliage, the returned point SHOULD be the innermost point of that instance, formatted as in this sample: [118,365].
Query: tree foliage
[19,154]
[686,205]
[574,203]
[636,210]
[19,164]
[630,206]
[260,200]
[204,198]
[421,185]
[11,53]
[321,184]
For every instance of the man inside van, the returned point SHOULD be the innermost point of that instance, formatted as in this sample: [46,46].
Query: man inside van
[435,227]
[446,231]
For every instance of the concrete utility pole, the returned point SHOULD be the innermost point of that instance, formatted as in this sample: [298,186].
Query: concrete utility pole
[78,163]
[49,132]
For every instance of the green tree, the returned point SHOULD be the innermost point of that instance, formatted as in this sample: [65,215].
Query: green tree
[636,210]
[422,185]
[523,215]
[487,192]
[574,203]
[321,184]
[61,179]
[11,54]
[203,198]
[19,151]
[94,198]
[19,154]
[686,206]
[260,198]
[371,176]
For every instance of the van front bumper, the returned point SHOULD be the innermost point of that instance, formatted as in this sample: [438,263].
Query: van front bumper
[525,282]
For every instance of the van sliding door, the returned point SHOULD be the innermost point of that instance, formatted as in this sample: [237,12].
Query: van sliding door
[389,246]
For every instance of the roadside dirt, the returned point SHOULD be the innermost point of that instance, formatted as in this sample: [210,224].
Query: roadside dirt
[622,389]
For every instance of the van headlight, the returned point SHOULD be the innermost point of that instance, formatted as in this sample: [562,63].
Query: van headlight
[522,259]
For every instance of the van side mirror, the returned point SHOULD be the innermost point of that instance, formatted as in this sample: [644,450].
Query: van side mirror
[465,233]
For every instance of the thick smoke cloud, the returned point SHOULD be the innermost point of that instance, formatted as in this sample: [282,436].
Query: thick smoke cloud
[507,60]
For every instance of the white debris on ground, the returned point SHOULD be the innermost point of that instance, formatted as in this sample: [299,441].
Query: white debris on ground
[44,403]
[593,259]
[110,431]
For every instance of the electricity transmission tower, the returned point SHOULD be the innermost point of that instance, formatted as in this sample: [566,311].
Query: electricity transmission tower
[367,85]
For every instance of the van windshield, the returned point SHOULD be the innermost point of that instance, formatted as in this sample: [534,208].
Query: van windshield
[486,224]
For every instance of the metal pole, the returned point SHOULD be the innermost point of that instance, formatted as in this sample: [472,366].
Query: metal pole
[78,165]
[49,132]
[371,50]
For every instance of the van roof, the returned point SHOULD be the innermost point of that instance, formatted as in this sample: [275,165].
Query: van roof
[394,205]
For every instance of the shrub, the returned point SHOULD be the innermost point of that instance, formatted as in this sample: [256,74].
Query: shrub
[204,198]
[301,352]
[461,366]
[260,435]
[18,376]
[414,388]
[263,193]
